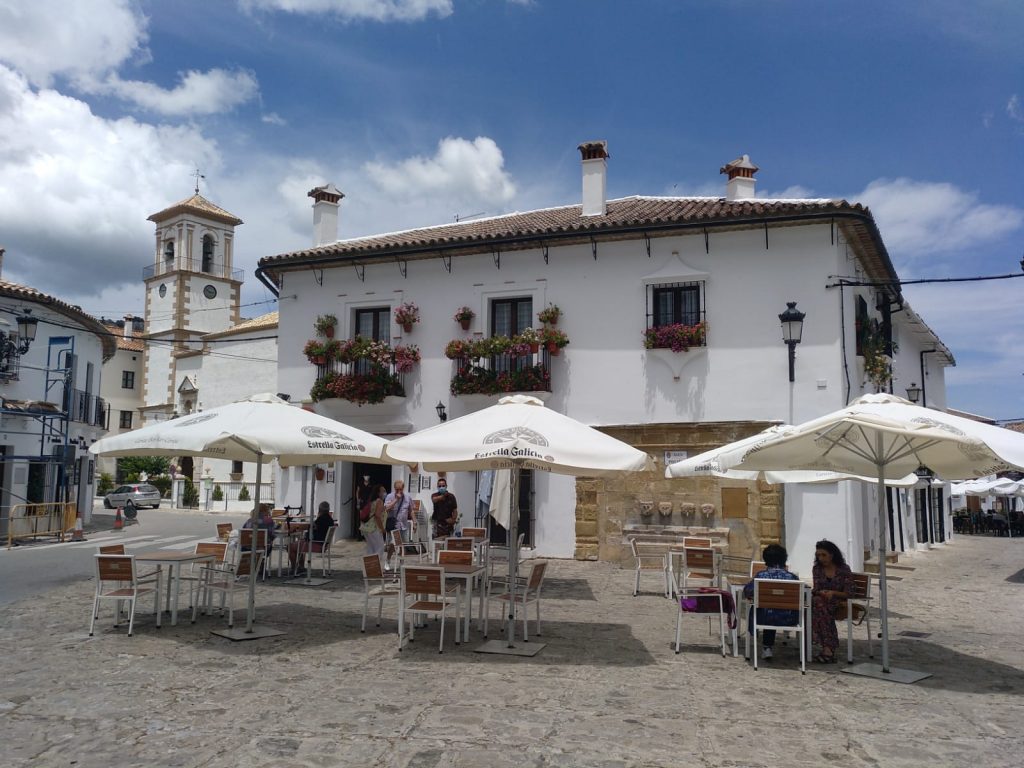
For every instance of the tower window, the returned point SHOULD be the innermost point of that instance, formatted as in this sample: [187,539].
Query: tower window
[207,253]
[169,254]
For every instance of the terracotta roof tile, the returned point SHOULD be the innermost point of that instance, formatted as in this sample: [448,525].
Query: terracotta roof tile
[630,213]
[196,204]
[90,323]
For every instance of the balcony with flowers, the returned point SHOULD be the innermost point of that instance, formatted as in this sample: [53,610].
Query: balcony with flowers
[360,371]
[504,364]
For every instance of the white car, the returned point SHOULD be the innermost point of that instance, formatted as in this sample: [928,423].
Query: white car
[141,494]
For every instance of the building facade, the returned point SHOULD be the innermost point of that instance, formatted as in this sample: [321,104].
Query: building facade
[670,313]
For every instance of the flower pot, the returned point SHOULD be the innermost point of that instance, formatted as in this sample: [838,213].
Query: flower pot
[534,347]
[553,349]
[320,360]
[407,327]
[329,331]
[465,323]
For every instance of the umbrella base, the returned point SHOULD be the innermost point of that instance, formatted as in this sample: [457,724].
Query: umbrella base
[501,647]
[239,633]
[304,582]
[894,675]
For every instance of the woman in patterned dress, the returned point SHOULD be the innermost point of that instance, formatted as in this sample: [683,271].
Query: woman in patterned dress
[831,587]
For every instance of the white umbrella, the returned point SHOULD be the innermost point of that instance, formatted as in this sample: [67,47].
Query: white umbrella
[517,433]
[260,428]
[709,464]
[885,437]
[1002,486]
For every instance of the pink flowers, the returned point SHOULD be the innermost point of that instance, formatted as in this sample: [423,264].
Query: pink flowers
[676,336]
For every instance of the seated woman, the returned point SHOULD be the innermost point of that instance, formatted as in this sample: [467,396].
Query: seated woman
[264,522]
[323,523]
[831,586]
[775,557]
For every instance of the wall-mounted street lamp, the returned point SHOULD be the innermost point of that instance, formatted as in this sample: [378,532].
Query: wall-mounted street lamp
[913,393]
[26,335]
[442,414]
[792,331]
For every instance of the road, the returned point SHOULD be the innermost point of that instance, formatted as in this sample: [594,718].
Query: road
[34,568]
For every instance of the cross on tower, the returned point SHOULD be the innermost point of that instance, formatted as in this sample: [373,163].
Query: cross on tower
[197,176]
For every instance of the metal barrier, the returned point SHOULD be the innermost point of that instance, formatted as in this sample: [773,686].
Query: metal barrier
[28,521]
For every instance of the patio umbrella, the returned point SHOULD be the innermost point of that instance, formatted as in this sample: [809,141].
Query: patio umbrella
[260,428]
[517,433]
[885,437]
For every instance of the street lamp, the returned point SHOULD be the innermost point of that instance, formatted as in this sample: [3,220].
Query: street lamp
[913,393]
[792,331]
[26,335]
[442,414]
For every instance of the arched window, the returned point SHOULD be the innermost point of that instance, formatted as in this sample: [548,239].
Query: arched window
[169,254]
[207,253]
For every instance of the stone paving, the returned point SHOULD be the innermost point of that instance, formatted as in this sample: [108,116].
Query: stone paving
[606,691]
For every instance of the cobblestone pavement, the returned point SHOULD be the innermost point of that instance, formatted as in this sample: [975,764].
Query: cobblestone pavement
[607,690]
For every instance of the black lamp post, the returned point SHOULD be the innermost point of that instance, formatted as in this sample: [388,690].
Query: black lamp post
[26,335]
[442,414]
[913,393]
[792,331]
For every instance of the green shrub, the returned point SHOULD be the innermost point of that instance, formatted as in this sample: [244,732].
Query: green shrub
[218,494]
[190,496]
[106,484]
[243,495]
[162,484]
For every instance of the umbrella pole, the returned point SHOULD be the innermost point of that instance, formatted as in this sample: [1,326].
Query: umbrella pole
[513,554]
[883,588]
[254,516]
[308,561]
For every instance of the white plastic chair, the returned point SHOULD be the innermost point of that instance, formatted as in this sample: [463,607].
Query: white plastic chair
[117,580]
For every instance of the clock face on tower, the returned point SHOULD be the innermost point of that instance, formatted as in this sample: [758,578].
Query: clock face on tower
[163,290]
[210,292]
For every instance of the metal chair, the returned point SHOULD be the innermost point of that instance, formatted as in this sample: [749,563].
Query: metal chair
[227,580]
[526,593]
[429,594]
[117,580]
[780,595]
[649,561]
[377,586]
[858,602]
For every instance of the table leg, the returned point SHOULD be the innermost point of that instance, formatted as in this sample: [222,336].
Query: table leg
[175,571]
[469,606]
[168,606]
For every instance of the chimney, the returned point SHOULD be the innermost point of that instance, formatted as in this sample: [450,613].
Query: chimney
[128,326]
[741,178]
[325,214]
[595,177]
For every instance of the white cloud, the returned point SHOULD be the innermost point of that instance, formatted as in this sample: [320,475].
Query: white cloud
[199,93]
[792,192]
[919,218]
[272,118]
[69,37]
[353,10]
[78,188]
[461,170]
[1015,109]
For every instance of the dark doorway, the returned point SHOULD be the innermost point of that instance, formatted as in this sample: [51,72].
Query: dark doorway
[187,467]
[378,474]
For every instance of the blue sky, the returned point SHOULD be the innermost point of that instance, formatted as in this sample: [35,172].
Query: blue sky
[423,109]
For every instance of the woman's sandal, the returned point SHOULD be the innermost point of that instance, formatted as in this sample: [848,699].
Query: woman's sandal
[821,658]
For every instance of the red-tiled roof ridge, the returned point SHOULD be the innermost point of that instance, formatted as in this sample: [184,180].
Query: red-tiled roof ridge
[90,323]
[196,204]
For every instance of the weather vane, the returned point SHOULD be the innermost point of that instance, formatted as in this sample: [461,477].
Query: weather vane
[198,176]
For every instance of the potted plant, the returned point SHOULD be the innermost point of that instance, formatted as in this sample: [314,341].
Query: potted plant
[406,357]
[464,316]
[554,340]
[550,314]
[314,352]
[457,349]
[875,349]
[675,336]
[531,338]
[406,314]
[325,325]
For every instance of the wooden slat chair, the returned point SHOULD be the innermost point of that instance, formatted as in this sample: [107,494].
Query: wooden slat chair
[219,549]
[406,550]
[454,557]
[649,559]
[117,580]
[459,543]
[112,549]
[224,531]
[227,580]
[321,549]
[858,603]
[527,593]
[700,542]
[378,586]
[424,592]
[702,603]
[475,533]
[782,595]
[698,566]
[245,543]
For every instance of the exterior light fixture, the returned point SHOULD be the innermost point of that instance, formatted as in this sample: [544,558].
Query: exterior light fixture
[10,348]
[913,393]
[442,414]
[792,332]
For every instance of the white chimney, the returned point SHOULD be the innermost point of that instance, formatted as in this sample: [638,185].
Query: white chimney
[740,185]
[595,177]
[128,326]
[325,214]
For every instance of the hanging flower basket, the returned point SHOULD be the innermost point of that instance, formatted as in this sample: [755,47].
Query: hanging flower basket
[406,314]
[550,314]
[325,325]
[464,317]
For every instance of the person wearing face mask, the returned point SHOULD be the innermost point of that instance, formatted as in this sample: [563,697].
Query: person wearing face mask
[446,510]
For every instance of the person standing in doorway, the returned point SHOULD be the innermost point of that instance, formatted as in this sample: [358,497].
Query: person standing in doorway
[446,510]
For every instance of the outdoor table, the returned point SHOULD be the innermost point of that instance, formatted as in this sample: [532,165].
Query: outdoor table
[467,573]
[173,561]
[288,533]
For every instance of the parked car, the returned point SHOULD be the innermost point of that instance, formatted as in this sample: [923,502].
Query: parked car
[141,494]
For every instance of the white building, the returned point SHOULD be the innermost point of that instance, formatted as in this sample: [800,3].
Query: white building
[51,410]
[616,269]
[122,383]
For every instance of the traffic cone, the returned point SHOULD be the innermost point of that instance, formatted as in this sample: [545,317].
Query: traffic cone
[78,535]
[118,520]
